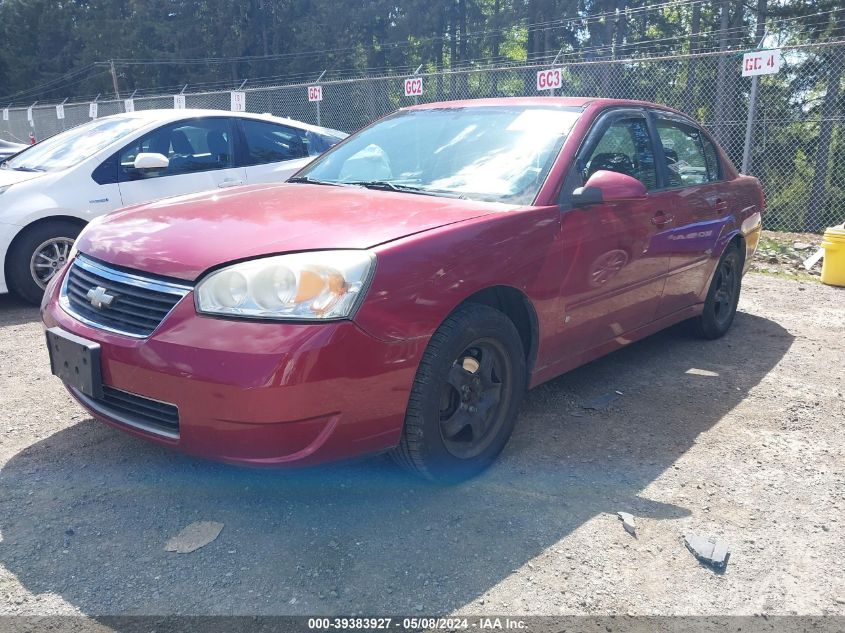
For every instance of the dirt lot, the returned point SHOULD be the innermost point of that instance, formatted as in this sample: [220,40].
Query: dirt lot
[750,449]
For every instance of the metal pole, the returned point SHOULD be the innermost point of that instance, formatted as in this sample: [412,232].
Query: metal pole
[319,123]
[114,79]
[749,125]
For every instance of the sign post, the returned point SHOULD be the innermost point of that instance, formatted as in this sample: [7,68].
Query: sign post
[754,64]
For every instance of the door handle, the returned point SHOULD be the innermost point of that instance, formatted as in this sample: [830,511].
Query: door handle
[661,218]
[229,183]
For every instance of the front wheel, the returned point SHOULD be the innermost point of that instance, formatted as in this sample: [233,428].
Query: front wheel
[37,255]
[465,396]
[722,297]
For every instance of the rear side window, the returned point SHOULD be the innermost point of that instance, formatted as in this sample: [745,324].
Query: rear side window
[684,153]
[191,146]
[272,143]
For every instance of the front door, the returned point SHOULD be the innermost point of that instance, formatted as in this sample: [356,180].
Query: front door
[201,154]
[613,276]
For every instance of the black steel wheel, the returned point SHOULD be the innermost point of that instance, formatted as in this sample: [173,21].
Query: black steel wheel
[722,296]
[465,397]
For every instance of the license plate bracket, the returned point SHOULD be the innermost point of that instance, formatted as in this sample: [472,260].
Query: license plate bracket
[76,361]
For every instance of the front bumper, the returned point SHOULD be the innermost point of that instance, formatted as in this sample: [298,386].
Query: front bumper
[258,393]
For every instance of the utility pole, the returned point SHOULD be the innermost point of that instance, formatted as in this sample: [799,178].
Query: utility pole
[114,79]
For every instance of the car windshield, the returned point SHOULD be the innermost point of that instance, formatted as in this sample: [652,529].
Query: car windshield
[70,148]
[491,153]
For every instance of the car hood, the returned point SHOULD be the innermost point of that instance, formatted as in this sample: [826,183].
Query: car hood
[185,236]
[13,176]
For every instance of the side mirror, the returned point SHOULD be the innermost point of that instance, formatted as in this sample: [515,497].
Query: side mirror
[608,186]
[149,161]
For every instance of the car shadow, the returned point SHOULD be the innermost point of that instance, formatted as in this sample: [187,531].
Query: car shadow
[86,512]
[14,311]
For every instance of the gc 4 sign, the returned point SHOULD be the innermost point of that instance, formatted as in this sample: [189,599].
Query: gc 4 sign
[414,87]
[178,102]
[549,79]
[315,93]
[238,101]
[761,63]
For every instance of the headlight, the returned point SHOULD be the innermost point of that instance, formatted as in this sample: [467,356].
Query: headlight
[316,286]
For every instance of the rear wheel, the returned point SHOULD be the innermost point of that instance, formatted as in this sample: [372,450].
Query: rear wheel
[37,255]
[722,297]
[465,397]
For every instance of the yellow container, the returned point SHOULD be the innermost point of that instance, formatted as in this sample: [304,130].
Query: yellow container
[833,265]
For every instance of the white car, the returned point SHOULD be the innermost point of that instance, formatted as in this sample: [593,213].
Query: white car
[51,190]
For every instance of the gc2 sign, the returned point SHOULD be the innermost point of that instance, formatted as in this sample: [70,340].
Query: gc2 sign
[761,63]
[414,87]
[549,79]
[315,93]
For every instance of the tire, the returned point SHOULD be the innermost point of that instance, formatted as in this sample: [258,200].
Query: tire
[21,275]
[722,297]
[465,397]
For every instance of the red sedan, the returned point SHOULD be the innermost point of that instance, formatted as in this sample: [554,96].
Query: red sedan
[403,291]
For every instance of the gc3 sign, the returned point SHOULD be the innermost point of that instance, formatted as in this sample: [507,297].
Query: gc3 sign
[761,63]
[549,79]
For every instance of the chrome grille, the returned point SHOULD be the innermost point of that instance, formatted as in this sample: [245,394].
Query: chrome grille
[137,303]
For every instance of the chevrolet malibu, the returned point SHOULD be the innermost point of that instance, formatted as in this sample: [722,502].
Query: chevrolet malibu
[402,292]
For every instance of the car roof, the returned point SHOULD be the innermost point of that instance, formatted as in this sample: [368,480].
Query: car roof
[572,102]
[164,115]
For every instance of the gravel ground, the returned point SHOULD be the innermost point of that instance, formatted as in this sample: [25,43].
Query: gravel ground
[750,449]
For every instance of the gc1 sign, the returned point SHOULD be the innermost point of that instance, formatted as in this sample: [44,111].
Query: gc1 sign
[761,63]
[315,93]
[549,79]
[413,87]
[238,101]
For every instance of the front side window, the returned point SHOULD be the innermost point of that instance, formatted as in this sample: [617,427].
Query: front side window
[625,148]
[492,153]
[73,146]
[273,143]
[712,156]
[684,153]
[190,146]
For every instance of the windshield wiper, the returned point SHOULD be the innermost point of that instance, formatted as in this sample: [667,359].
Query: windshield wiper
[386,185]
[313,181]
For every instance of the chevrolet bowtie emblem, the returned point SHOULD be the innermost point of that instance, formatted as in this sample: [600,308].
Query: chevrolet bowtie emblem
[100,298]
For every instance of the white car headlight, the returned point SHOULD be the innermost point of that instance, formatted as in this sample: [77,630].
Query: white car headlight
[319,285]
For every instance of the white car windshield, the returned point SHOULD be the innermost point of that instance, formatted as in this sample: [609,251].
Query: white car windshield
[71,147]
[492,153]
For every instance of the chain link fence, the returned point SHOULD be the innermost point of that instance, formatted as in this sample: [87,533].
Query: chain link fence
[796,134]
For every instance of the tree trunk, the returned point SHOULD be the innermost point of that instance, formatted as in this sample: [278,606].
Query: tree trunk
[438,53]
[453,47]
[814,220]
[689,99]
[462,23]
[494,48]
[722,73]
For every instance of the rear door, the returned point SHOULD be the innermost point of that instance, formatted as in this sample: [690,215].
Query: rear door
[613,277]
[201,153]
[272,152]
[699,204]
